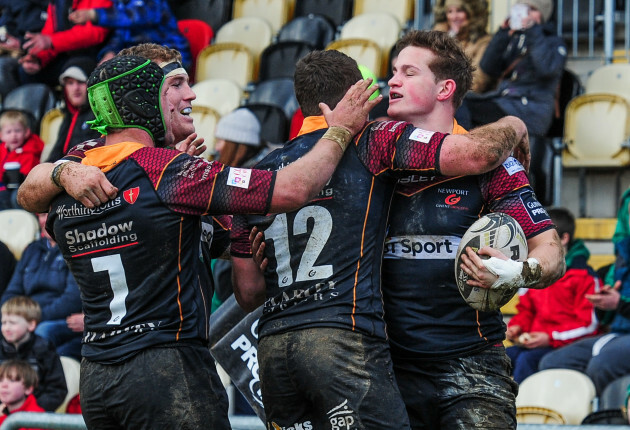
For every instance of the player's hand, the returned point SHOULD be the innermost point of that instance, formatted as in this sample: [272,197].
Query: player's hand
[87,184]
[191,145]
[352,110]
[608,297]
[36,42]
[474,266]
[257,239]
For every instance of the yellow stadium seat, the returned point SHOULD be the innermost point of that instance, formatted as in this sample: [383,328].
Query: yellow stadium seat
[49,130]
[232,61]
[18,228]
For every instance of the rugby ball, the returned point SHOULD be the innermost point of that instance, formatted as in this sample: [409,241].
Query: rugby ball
[503,233]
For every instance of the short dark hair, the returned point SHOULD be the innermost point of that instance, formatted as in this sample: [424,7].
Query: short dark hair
[564,221]
[323,76]
[19,370]
[450,62]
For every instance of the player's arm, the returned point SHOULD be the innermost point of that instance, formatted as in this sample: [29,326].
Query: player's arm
[544,265]
[485,148]
[248,282]
[87,184]
[300,181]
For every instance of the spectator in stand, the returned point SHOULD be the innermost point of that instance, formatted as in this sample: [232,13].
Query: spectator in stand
[16,19]
[238,142]
[20,316]
[74,128]
[20,151]
[42,275]
[466,21]
[558,315]
[18,380]
[135,22]
[528,59]
[604,358]
[59,40]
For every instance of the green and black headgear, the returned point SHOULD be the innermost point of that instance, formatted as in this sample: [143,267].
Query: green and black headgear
[124,92]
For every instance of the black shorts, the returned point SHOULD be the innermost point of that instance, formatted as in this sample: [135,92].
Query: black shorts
[327,378]
[174,387]
[473,392]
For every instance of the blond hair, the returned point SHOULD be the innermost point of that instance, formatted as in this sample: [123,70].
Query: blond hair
[19,370]
[12,117]
[24,307]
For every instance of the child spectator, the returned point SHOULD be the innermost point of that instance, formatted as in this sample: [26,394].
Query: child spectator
[18,380]
[20,151]
[20,316]
[43,275]
[135,22]
[559,314]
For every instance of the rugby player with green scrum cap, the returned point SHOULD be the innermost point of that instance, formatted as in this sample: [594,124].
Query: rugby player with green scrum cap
[134,258]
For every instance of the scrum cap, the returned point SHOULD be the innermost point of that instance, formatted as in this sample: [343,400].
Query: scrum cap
[124,92]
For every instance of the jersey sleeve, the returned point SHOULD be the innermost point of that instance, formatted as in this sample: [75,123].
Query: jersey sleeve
[400,148]
[239,237]
[195,186]
[507,189]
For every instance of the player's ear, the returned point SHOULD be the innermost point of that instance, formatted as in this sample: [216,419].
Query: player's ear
[447,88]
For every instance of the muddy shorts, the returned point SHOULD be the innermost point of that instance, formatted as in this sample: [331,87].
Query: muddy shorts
[329,379]
[473,392]
[159,388]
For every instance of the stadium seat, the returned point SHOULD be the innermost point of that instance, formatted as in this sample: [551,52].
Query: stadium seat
[606,417]
[538,415]
[614,394]
[34,99]
[71,371]
[401,9]
[49,130]
[363,51]
[199,35]
[219,12]
[279,60]
[275,12]
[610,78]
[317,30]
[205,120]
[276,92]
[382,28]
[273,121]
[588,143]
[337,11]
[222,95]
[252,32]
[568,392]
[226,61]
[18,228]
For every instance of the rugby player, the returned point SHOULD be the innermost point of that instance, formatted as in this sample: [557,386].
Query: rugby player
[449,359]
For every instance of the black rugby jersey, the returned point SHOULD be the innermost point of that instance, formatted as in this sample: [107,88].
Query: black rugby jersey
[136,258]
[427,318]
[325,258]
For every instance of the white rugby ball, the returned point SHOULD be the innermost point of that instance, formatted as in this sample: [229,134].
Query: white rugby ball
[503,233]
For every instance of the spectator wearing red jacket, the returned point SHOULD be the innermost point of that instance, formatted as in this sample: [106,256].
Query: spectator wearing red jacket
[59,40]
[559,314]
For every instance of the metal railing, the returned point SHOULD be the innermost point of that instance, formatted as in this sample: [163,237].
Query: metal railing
[52,421]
